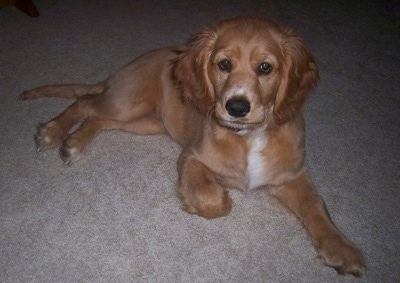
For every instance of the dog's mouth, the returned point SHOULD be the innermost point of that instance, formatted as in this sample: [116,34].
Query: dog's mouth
[238,126]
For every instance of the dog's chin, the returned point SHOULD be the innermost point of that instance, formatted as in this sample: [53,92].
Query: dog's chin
[238,127]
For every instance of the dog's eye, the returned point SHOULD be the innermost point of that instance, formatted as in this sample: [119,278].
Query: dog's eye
[225,65]
[265,68]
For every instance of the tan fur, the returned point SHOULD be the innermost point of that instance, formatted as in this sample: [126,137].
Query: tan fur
[184,91]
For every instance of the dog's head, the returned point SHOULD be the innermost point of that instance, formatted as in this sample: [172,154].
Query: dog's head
[245,72]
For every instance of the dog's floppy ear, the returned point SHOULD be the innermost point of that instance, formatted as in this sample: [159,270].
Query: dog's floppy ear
[300,75]
[190,70]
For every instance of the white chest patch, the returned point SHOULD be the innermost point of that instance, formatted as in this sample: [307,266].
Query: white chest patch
[255,161]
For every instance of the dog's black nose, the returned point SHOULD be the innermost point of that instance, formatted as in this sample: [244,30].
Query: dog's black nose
[237,107]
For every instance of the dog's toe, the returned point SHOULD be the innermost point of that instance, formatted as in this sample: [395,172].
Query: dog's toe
[69,155]
[48,136]
[72,150]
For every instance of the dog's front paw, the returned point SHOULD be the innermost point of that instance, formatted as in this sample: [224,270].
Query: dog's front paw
[72,150]
[209,206]
[343,256]
[48,136]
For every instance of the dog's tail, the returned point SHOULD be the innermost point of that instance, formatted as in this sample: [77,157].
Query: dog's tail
[64,91]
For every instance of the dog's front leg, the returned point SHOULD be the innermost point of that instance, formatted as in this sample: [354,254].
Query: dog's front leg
[299,196]
[199,191]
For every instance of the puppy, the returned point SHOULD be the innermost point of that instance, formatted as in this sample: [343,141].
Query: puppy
[232,98]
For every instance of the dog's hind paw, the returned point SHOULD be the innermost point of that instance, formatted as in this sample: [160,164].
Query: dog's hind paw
[72,150]
[48,136]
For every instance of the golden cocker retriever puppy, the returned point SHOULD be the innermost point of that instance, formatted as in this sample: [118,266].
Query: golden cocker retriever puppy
[232,98]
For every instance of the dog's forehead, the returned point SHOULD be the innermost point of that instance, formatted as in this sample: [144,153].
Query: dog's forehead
[257,43]
[248,32]
[261,35]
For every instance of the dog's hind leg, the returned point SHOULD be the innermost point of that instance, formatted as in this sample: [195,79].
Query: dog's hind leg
[51,134]
[76,144]
[64,91]
[144,126]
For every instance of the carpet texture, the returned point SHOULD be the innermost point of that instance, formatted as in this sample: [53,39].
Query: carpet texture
[114,216]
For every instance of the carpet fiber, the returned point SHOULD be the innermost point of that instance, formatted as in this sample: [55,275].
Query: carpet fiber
[114,216]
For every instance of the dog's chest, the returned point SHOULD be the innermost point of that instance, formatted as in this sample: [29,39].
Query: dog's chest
[256,162]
